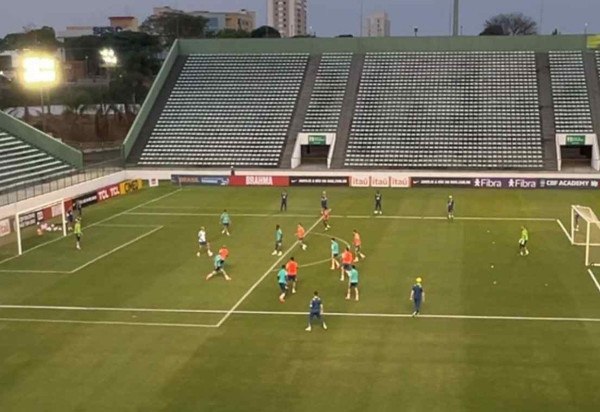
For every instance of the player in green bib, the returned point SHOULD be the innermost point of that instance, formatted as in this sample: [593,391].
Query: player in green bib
[352,283]
[335,254]
[282,281]
[523,251]
[225,222]
[78,232]
[278,241]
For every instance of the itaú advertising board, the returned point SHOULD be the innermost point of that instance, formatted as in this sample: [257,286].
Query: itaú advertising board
[399,181]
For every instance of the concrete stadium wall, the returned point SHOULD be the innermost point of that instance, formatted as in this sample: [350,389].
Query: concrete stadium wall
[383,44]
[150,100]
[41,140]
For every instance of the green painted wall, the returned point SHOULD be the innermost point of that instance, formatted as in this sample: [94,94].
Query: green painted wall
[382,44]
[142,116]
[41,140]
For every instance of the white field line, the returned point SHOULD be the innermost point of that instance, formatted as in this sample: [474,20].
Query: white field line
[477,218]
[267,273]
[594,279]
[108,323]
[95,224]
[105,309]
[267,313]
[77,269]
[124,225]
[564,229]
[110,252]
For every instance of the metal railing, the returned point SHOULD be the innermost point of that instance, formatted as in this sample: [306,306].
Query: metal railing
[43,186]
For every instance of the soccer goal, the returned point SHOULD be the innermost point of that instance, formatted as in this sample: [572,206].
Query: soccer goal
[585,231]
[32,227]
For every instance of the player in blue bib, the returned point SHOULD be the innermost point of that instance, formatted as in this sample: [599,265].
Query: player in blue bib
[417,296]
[316,311]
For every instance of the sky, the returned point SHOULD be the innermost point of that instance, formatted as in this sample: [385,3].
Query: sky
[327,18]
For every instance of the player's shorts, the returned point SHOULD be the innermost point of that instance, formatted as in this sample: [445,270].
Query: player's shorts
[202,244]
[347,267]
[335,256]
[278,245]
[283,287]
[301,239]
[78,237]
[315,315]
[522,242]
[353,284]
[450,210]
[226,224]
[291,278]
[357,248]
[219,268]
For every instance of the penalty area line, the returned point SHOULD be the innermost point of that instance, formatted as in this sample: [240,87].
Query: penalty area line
[594,279]
[564,229]
[267,273]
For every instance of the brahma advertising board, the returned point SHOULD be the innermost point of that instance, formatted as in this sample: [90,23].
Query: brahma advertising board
[259,180]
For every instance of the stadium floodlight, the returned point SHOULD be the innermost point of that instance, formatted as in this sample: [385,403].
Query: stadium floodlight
[109,58]
[39,71]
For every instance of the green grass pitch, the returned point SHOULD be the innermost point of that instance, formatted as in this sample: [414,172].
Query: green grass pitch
[130,324]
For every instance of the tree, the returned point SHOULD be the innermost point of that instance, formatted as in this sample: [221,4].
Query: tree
[174,25]
[493,30]
[39,39]
[264,32]
[512,24]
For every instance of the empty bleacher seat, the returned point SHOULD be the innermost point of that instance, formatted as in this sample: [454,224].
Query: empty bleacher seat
[572,111]
[228,109]
[447,109]
[22,163]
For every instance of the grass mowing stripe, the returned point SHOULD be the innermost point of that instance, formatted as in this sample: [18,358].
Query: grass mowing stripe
[594,279]
[94,224]
[107,323]
[267,273]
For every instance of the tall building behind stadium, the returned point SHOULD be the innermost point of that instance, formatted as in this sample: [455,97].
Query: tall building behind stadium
[288,17]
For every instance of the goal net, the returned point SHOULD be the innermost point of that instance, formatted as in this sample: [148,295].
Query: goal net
[31,228]
[585,231]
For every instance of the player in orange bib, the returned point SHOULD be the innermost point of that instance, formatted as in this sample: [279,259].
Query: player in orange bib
[347,259]
[224,253]
[292,272]
[300,232]
[357,245]
[326,213]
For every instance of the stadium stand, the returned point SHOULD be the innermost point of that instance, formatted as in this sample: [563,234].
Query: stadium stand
[21,163]
[327,97]
[447,109]
[572,111]
[228,109]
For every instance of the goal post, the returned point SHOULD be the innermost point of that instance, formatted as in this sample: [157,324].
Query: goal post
[585,231]
[32,227]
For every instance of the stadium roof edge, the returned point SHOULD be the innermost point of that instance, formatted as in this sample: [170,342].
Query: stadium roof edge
[383,44]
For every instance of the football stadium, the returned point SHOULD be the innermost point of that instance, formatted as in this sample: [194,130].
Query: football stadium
[333,224]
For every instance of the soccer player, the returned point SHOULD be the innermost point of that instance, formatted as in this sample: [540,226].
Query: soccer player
[316,311]
[576,222]
[70,219]
[284,197]
[523,251]
[203,243]
[378,197]
[326,214]
[347,260]
[224,253]
[78,207]
[357,244]
[324,201]
[219,268]
[335,254]
[300,232]
[78,232]
[417,296]
[292,273]
[450,208]
[225,222]
[282,280]
[278,241]
[352,283]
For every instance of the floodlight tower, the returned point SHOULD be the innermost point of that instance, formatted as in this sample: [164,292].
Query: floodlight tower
[109,62]
[455,18]
[40,72]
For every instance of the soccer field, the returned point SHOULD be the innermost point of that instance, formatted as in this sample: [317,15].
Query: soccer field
[130,324]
